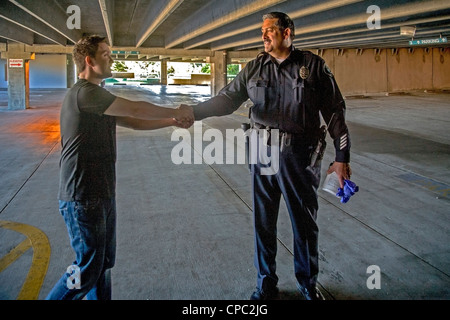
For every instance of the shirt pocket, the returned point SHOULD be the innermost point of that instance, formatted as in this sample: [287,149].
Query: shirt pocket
[258,91]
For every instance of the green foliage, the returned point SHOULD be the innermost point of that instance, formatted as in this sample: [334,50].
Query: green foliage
[206,68]
[232,69]
[119,66]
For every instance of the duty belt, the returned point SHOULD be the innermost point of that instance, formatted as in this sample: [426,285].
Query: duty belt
[286,138]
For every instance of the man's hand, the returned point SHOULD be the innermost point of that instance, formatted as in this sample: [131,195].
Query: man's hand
[185,116]
[182,124]
[342,170]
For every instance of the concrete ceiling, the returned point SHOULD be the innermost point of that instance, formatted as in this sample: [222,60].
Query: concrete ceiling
[184,27]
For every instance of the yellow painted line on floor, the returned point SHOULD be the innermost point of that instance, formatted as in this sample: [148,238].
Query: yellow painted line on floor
[14,254]
[41,256]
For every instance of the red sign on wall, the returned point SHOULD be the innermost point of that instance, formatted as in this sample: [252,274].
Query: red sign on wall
[16,63]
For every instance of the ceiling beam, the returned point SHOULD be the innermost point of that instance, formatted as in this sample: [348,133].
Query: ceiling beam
[247,26]
[50,13]
[107,8]
[157,13]
[11,13]
[340,33]
[12,31]
[404,10]
[215,14]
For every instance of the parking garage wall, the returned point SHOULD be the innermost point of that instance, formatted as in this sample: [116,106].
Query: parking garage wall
[357,72]
[3,83]
[390,70]
[46,71]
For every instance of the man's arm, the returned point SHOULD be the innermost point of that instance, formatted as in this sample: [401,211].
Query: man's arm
[147,111]
[138,124]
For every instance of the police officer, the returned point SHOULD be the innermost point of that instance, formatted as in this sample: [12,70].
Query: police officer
[289,89]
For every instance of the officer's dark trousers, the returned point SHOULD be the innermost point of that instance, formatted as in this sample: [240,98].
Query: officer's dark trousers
[299,189]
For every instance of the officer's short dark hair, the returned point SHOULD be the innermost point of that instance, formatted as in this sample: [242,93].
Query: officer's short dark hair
[284,22]
[86,47]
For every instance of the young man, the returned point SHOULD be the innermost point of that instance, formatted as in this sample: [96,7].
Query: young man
[88,120]
[288,88]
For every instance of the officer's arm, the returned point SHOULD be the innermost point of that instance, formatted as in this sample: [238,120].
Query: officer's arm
[333,112]
[227,101]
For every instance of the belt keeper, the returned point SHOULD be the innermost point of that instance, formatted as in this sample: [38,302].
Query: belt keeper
[288,139]
[285,140]
[266,136]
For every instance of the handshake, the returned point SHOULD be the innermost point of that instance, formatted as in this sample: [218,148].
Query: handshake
[184,116]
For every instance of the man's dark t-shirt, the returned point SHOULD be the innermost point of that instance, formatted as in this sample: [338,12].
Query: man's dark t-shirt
[88,139]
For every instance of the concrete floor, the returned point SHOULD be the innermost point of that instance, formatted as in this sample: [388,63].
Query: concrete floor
[185,231]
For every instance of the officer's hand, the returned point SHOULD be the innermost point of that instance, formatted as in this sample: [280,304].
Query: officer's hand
[185,115]
[343,171]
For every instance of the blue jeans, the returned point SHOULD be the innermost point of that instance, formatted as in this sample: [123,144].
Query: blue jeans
[92,232]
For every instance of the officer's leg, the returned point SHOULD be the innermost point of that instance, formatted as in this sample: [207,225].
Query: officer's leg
[266,200]
[299,188]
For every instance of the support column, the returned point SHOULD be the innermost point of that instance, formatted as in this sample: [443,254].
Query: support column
[164,72]
[218,71]
[71,71]
[18,64]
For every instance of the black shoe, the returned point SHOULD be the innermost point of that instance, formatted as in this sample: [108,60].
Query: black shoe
[264,295]
[311,293]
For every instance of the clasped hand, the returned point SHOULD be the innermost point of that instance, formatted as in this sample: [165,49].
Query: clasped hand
[185,116]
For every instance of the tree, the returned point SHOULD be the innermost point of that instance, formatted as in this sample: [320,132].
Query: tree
[232,69]
[206,68]
[119,66]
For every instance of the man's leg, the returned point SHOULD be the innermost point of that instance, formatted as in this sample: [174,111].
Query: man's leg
[86,226]
[102,289]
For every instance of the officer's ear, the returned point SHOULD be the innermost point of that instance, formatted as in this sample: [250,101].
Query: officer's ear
[287,34]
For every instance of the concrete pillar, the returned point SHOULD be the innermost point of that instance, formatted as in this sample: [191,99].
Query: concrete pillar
[18,64]
[71,71]
[164,72]
[218,71]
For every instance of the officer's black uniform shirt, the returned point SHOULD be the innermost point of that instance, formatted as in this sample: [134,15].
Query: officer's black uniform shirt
[288,97]
[88,139]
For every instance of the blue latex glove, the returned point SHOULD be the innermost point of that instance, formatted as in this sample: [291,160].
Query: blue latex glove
[350,188]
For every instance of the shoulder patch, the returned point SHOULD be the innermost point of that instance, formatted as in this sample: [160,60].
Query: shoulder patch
[327,70]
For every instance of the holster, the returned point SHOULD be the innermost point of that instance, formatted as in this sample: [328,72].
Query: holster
[319,150]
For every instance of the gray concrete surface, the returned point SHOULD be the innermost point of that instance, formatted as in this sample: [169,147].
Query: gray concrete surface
[185,231]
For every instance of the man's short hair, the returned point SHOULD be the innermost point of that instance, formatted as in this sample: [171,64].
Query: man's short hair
[284,21]
[86,47]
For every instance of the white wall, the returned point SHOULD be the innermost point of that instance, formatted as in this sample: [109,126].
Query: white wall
[3,83]
[48,71]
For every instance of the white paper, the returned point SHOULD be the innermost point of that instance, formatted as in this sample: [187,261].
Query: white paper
[331,183]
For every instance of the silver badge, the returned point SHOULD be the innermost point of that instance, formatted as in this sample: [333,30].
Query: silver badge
[304,72]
